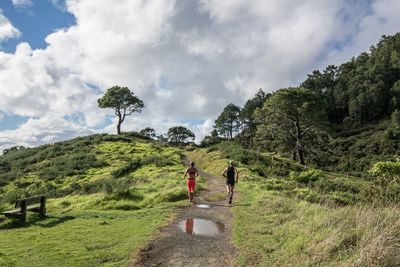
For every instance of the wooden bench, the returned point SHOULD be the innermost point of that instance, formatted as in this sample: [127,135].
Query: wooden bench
[23,203]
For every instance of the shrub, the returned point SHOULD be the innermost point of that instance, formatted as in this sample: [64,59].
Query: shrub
[306,177]
[386,172]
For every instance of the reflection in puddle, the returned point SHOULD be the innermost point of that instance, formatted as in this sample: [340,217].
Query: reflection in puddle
[201,227]
[203,206]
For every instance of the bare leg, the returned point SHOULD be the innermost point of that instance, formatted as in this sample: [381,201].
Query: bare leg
[230,188]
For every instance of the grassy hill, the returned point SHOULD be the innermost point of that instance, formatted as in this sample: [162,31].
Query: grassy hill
[108,196]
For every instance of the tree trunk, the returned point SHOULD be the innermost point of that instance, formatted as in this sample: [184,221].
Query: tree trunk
[119,125]
[299,144]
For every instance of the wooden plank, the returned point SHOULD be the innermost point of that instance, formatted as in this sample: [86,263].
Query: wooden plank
[29,200]
[11,211]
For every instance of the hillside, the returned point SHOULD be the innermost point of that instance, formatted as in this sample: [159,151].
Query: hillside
[109,195]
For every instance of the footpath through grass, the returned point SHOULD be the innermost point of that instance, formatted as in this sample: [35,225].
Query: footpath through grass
[280,220]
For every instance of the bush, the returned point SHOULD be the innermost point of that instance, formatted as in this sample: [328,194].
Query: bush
[306,177]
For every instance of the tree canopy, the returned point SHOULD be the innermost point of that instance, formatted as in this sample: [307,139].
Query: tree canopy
[248,122]
[180,134]
[228,123]
[364,89]
[123,101]
[289,114]
[148,132]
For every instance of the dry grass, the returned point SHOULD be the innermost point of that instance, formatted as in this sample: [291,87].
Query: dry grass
[365,235]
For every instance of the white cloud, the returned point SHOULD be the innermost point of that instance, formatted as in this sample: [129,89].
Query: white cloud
[382,19]
[1,117]
[22,3]
[7,30]
[60,4]
[185,59]
[44,130]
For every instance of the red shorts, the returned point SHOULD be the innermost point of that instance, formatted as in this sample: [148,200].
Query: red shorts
[191,184]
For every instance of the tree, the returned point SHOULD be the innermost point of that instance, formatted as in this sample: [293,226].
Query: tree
[247,120]
[228,122]
[148,132]
[179,134]
[289,114]
[123,101]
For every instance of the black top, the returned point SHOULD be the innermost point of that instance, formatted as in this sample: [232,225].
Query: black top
[230,174]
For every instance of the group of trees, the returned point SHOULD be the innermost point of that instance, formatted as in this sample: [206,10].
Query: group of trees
[234,119]
[299,120]
[285,120]
[364,89]
[125,103]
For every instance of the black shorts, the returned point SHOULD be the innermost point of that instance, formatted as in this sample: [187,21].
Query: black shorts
[230,182]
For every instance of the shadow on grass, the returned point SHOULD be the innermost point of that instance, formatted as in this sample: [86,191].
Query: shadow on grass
[36,220]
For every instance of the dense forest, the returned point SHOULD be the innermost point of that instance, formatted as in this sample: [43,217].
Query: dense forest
[343,118]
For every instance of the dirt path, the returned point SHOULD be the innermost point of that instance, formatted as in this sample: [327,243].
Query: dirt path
[175,247]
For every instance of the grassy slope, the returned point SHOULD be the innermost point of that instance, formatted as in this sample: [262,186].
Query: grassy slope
[275,225]
[357,150]
[99,216]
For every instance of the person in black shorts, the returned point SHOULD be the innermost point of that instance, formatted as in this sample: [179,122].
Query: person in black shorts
[230,173]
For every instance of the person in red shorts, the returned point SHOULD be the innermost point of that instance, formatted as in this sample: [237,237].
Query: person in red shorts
[191,182]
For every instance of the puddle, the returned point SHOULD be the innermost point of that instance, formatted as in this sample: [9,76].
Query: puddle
[203,206]
[201,227]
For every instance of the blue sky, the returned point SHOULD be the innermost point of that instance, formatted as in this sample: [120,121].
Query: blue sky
[35,22]
[186,60]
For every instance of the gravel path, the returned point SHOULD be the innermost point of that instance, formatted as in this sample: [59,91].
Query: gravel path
[174,247]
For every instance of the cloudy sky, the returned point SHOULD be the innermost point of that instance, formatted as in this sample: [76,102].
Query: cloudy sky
[186,59]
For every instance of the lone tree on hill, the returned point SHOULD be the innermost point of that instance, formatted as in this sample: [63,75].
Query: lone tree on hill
[179,134]
[289,114]
[123,101]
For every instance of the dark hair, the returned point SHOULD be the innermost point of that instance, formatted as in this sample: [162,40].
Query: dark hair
[192,163]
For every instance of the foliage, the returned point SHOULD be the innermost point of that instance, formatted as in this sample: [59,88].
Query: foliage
[180,134]
[148,132]
[246,117]
[288,115]
[363,89]
[228,123]
[388,171]
[306,177]
[122,101]
[13,149]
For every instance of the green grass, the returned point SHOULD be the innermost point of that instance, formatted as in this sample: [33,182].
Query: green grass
[307,217]
[97,214]
[79,237]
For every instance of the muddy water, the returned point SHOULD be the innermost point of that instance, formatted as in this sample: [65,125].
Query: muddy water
[203,206]
[201,227]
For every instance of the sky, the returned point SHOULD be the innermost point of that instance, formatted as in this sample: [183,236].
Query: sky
[186,59]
